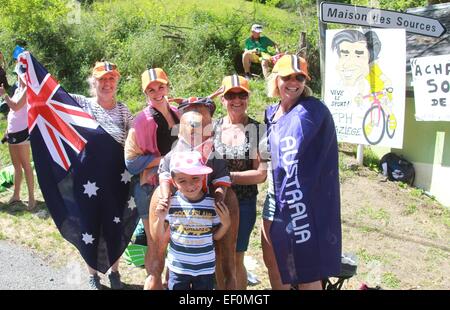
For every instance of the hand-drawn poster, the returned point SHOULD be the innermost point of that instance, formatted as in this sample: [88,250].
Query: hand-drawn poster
[431,87]
[365,85]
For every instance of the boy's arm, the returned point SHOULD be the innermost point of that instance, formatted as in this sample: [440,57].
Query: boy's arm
[224,215]
[165,184]
[158,228]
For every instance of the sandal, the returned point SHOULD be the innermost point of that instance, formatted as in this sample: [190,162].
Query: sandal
[31,207]
[13,201]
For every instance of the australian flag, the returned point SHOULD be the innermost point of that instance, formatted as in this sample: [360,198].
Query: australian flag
[80,169]
[306,229]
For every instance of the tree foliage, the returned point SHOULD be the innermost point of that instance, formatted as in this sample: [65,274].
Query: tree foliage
[29,17]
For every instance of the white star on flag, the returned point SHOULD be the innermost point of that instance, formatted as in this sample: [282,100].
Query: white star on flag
[126,176]
[90,189]
[131,203]
[116,220]
[87,238]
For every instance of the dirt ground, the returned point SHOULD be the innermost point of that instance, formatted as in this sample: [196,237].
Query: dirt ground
[400,236]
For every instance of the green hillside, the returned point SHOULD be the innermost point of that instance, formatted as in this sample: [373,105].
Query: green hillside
[196,41]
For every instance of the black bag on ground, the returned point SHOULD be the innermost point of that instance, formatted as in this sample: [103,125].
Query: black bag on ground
[396,168]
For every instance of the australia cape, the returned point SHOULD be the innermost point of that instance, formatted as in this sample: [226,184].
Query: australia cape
[306,230]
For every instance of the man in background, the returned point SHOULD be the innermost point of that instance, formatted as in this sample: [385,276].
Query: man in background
[256,51]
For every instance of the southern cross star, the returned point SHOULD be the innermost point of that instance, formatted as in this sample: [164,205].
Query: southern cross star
[126,176]
[87,238]
[131,203]
[90,189]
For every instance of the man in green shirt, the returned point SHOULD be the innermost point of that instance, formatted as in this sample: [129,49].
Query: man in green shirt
[256,51]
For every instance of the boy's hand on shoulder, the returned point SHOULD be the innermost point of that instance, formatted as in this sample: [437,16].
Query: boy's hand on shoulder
[224,214]
[219,195]
[164,202]
[163,206]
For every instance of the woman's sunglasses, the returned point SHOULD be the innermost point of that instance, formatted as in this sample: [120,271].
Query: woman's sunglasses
[230,96]
[299,77]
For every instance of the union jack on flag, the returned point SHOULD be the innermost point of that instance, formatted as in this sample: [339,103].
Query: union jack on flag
[80,169]
[53,116]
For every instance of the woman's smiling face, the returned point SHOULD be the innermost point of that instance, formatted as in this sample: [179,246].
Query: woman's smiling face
[290,87]
[156,91]
[236,101]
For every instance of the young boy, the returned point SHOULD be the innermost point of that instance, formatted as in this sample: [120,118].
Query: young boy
[194,221]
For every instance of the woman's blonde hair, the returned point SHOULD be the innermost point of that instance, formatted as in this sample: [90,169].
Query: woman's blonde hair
[273,91]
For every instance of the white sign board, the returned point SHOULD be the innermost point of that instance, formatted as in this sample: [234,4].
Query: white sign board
[431,80]
[365,85]
[372,17]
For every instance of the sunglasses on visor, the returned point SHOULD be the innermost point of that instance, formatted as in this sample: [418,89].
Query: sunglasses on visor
[299,77]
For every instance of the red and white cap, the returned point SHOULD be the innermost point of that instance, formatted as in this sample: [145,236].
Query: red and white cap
[188,162]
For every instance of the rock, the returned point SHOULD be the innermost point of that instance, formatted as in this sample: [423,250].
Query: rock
[42,214]
[353,165]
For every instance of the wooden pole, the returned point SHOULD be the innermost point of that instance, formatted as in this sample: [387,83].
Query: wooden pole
[322,29]
[360,154]
[301,49]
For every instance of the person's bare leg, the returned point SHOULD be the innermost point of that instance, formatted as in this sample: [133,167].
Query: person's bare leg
[269,258]
[241,271]
[92,271]
[156,251]
[147,235]
[24,154]
[15,159]
[226,247]
[115,266]
[316,285]
[247,61]
[265,67]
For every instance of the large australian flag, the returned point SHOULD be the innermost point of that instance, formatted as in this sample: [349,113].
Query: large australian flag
[80,169]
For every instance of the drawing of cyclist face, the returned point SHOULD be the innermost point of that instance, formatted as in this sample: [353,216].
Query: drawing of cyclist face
[353,63]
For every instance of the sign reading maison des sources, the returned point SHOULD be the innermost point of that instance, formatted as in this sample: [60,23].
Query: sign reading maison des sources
[371,17]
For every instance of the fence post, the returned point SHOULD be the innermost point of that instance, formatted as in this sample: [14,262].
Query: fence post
[360,154]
